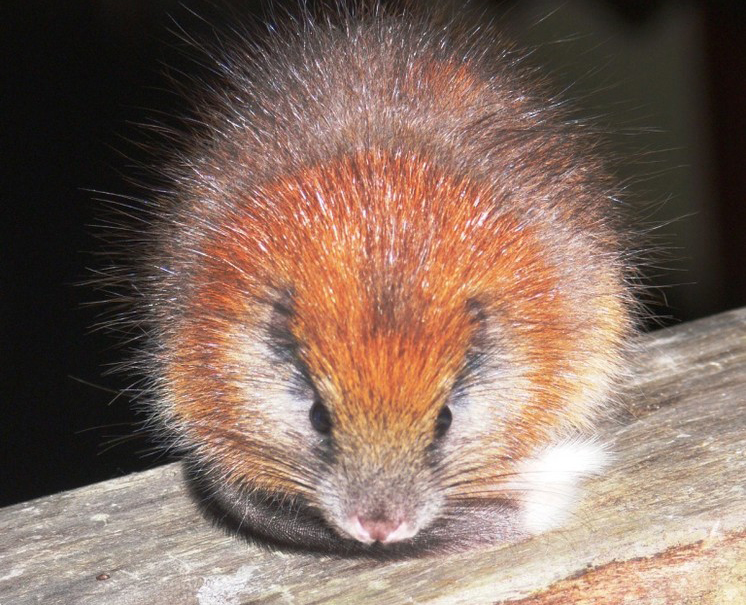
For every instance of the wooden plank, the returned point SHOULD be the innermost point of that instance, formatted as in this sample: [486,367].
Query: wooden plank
[666,524]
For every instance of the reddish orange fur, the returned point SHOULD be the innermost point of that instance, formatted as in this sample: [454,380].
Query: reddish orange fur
[411,366]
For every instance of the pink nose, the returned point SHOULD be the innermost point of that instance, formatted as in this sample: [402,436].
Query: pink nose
[380,530]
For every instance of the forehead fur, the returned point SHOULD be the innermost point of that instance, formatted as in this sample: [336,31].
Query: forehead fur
[372,249]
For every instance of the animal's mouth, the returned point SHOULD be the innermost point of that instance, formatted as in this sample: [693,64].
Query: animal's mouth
[279,521]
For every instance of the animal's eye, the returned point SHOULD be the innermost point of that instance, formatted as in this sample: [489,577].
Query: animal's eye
[320,418]
[443,422]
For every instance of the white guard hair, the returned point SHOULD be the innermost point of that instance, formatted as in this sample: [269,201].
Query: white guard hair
[549,481]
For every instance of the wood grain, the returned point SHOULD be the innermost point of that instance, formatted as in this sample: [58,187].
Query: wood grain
[666,524]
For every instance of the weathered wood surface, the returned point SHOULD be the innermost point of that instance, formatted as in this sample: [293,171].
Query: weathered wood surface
[666,524]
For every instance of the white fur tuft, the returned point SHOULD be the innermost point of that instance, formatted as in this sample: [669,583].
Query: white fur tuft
[549,481]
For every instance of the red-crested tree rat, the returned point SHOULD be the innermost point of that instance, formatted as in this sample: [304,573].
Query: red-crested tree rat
[386,294]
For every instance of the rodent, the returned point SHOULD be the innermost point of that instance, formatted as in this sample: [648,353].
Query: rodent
[386,294]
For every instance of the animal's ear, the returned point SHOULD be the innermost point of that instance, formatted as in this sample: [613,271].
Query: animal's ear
[480,339]
[548,483]
[281,340]
[476,310]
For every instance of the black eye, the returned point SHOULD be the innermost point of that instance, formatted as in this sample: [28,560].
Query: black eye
[320,418]
[443,422]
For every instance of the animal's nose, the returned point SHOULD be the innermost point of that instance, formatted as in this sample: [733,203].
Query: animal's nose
[381,529]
